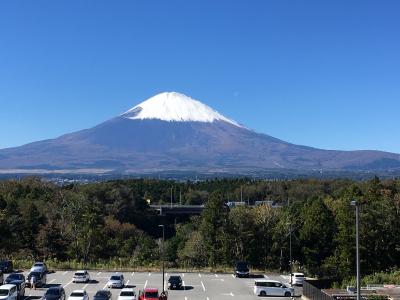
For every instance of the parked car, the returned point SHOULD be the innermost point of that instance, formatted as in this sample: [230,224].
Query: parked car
[102,295]
[149,294]
[41,279]
[242,269]
[6,266]
[8,292]
[14,277]
[296,278]
[81,276]
[272,288]
[18,280]
[78,295]
[116,281]
[54,293]
[39,267]
[174,282]
[127,294]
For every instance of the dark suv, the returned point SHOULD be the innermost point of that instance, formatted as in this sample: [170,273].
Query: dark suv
[174,282]
[18,280]
[54,293]
[241,269]
[6,266]
[41,279]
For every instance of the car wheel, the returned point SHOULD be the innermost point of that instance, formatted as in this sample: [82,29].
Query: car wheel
[288,294]
[263,294]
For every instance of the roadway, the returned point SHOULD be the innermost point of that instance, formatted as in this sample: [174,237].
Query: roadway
[204,286]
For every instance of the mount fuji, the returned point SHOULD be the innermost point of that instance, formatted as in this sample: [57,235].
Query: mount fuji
[171,132]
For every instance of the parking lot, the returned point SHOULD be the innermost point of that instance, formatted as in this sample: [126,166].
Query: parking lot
[207,286]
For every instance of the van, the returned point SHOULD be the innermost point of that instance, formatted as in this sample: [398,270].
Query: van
[296,278]
[8,292]
[272,288]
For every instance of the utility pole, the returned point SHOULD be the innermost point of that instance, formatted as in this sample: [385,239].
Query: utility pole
[171,196]
[290,246]
[357,205]
[162,253]
[180,196]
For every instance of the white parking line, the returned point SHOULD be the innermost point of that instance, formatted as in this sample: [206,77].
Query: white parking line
[105,286]
[216,275]
[52,281]
[149,273]
[202,284]
[65,272]
[233,275]
[133,273]
[184,287]
[199,275]
[185,298]
[145,284]
[67,284]
[85,286]
[232,294]
[127,282]
[208,298]
[183,275]
[98,273]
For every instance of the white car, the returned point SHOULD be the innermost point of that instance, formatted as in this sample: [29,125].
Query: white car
[78,295]
[8,292]
[81,276]
[272,288]
[39,267]
[297,279]
[127,294]
[116,281]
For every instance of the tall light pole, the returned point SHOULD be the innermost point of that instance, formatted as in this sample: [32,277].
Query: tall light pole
[290,246]
[357,205]
[162,253]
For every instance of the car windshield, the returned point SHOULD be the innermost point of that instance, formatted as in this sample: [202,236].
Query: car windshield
[79,274]
[3,292]
[3,263]
[14,276]
[298,275]
[101,294]
[36,274]
[77,294]
[151,295]
[174,278]
[38,265]
[53,292]
[128,293]
[115,278]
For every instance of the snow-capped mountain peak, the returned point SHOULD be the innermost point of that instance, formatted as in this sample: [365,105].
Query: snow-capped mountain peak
[172,106]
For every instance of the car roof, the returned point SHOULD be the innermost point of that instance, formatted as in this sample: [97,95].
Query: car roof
[78,291]
[128,290]
[267,280]
[81,271]
[7,286]
[298,273]
[151,289]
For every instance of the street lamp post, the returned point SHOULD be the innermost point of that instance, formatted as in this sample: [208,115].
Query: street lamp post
[357,206]
[162,253]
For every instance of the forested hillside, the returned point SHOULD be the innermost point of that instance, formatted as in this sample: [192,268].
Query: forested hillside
[112,220]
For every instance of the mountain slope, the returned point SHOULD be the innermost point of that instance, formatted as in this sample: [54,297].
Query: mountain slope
[172,132]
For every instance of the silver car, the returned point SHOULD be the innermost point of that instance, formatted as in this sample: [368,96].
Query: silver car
[116,281]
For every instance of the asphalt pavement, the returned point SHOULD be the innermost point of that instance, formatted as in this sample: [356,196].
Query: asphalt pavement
[204,286]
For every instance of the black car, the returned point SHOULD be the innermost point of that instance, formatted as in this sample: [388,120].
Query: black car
[19,281]
[41,279]
[102,295]
[6,266]
[174,282]
[241,269]
[54,293]
[14,277]
[1,278]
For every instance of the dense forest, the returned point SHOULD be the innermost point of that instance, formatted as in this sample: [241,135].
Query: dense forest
[112,220]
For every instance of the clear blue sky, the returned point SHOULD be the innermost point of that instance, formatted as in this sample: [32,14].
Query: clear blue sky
[319,73]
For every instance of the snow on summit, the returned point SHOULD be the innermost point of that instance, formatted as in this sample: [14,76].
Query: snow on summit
[172,106]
